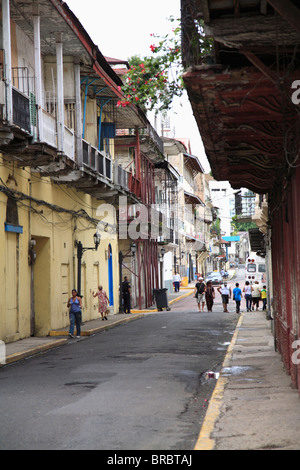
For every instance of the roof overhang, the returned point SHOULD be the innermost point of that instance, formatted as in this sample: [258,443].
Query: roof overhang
[173,146]
[241,92]
[257,241]
[193,164]
[193,199]
[240,118]
[58,21]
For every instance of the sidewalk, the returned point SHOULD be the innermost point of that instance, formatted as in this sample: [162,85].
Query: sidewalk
[28,347]
[253,406]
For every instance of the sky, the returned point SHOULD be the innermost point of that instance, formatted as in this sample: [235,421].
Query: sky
[122,29]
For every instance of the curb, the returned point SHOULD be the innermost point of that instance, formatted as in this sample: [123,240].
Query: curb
[93,331]
[205,441]
[15,357]
[55,343]
[170,303]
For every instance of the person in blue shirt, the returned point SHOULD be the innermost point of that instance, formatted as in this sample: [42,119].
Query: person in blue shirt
[75,305]
[237,296]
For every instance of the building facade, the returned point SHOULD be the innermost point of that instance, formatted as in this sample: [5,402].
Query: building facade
[63,170]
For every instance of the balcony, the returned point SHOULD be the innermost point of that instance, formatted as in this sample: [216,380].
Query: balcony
[96,160]
[20,139]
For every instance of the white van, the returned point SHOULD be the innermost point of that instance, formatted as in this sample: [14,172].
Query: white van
[255,269]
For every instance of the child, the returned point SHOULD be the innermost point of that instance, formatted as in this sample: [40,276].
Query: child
[237,296]
[264,297]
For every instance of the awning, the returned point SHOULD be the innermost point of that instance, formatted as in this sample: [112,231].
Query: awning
[193,199]
[200,245]
[193,164]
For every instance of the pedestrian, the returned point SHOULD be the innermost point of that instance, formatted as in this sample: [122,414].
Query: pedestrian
[199,293]
[75,305]
[209,296]
[126,292]
[255,295]
[225,292]
[264,297]
[176,281]
[248,295]
[237,296]
[103,301]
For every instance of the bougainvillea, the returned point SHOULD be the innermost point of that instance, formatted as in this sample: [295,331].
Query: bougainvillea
[153,81]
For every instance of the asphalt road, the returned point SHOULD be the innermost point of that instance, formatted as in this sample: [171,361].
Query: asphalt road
[140,386]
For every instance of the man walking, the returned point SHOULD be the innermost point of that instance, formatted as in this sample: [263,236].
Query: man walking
[126,292]
[199,293]
[176,282]
[237,296]
[225,292]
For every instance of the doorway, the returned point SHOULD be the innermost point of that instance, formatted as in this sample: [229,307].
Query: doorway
[110,276]
[41,282]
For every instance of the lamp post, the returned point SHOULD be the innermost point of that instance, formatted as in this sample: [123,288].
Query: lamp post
[121,258]
[161,260]
[80,250]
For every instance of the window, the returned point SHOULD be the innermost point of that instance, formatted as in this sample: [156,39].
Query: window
[251,268]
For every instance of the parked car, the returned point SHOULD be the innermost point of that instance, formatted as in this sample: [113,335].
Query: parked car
[216,278]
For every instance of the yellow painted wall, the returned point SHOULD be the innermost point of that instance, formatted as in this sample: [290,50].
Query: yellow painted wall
[55,269]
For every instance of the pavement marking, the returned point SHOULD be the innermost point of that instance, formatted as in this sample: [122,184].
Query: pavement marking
[205,441]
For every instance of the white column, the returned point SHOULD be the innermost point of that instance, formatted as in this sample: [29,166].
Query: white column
[60,93]
[6,39]
[78,116]
[38,70]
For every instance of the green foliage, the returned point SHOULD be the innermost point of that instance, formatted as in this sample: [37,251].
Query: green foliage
[153,81]
[241,226]
[216,226]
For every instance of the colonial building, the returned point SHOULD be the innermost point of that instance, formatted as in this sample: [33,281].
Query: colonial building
[62,143]
[190,252]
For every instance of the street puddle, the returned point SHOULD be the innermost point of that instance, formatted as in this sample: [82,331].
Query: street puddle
[235,370]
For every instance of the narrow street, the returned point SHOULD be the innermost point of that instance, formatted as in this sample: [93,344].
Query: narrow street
[138,386]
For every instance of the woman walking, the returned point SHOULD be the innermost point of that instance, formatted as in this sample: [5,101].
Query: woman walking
[75,305]
[103,301]
[209,296]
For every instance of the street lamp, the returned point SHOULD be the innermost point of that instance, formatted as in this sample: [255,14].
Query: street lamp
[121,258]
[80,250]
[161,260]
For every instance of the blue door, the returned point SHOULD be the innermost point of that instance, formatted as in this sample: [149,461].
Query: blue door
[110,276]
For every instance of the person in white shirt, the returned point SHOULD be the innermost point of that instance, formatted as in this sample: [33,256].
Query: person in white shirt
[176,282]
[248,295]
[225,292]
[256,295]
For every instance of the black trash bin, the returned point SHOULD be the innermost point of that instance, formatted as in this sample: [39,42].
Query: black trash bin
[161,299]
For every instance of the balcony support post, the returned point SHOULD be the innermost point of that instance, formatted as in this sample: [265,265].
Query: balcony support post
[38,70]
[78,125]
[6,40]
[60,93]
